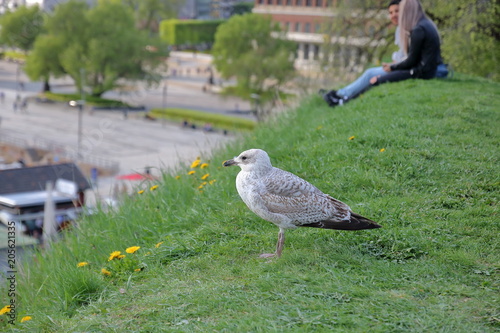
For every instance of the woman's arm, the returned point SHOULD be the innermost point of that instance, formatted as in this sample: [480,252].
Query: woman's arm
[415,50]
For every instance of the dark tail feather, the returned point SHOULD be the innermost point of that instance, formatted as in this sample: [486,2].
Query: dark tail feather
[357,222]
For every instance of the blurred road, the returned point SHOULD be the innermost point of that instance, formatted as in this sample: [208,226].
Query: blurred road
[133,142]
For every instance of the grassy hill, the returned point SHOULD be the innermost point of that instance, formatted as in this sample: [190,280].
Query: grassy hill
[419,157]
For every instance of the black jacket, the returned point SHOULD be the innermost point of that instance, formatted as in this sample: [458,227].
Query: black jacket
[424,52]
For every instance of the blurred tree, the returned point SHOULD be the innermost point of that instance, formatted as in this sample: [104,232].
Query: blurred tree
[41,63]
[253,49]
[21,27]
[470,30]
[65,28]
[359,33]
[96,47]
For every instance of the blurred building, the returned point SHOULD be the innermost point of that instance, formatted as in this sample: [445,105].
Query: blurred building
[209,9]
[23,195]
[304,23]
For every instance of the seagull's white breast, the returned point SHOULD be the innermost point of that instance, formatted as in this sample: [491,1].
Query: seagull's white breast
[252,191]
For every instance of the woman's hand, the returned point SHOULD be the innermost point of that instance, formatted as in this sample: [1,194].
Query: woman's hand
[386,67]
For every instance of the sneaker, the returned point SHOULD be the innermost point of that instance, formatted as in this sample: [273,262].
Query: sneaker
[331,98]
[341,99]
[335,95]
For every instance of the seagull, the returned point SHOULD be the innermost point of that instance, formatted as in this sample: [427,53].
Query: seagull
[289,201]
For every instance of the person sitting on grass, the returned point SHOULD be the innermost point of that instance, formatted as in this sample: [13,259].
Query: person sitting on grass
[362,83]
[419,39]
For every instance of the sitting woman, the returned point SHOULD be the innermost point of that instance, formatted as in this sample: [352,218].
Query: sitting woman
[419,39]
[362,83]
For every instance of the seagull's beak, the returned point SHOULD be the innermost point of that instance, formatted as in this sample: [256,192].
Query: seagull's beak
[229,163]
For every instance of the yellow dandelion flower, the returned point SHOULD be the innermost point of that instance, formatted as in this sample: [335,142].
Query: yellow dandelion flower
[158,244]
[121,256]
[200,187]
[382,150]
[319,127]
[104,271]
[204,166]
[140,192]
[352,137]
[154,187]
[5,309]
[114,255]
[132,249]
[204,183]
[192,172]
[177,177]
[196,163]
[137,270]
[212,181]
[25,318]
[82,264]
[205,176]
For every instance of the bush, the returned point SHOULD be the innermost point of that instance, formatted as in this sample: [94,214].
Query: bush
[200,118]
[189,32]
[89,100]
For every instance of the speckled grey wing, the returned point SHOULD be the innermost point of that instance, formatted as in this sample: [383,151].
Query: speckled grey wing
[287,194]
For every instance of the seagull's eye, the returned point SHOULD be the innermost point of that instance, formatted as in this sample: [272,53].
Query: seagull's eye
[243,158]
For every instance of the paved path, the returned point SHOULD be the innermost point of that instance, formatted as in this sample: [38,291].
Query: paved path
[135,143]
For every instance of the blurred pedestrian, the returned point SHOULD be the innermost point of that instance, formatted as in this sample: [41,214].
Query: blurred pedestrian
[24,106]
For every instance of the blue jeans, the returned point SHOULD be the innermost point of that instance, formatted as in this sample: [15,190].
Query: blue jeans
[361,84]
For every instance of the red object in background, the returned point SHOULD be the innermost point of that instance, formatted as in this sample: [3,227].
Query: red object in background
[135,176]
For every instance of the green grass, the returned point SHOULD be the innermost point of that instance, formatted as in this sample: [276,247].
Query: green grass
[433,267]
[200,118]
[265,96]
[89,100]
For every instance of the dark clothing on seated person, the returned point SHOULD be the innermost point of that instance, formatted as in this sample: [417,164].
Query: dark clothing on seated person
[394,76]
[424,54]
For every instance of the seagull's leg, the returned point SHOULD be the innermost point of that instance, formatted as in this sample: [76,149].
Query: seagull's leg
[279,246]
[281,242]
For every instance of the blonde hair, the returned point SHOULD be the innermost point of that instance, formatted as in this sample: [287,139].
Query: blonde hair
[410,12]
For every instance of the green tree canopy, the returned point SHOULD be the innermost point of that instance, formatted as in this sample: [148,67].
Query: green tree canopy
[101,43]
[470,31]
[42,63]
[253,49]
[63,30]
[21,27]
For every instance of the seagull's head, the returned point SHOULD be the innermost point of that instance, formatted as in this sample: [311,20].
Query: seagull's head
[251,160]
